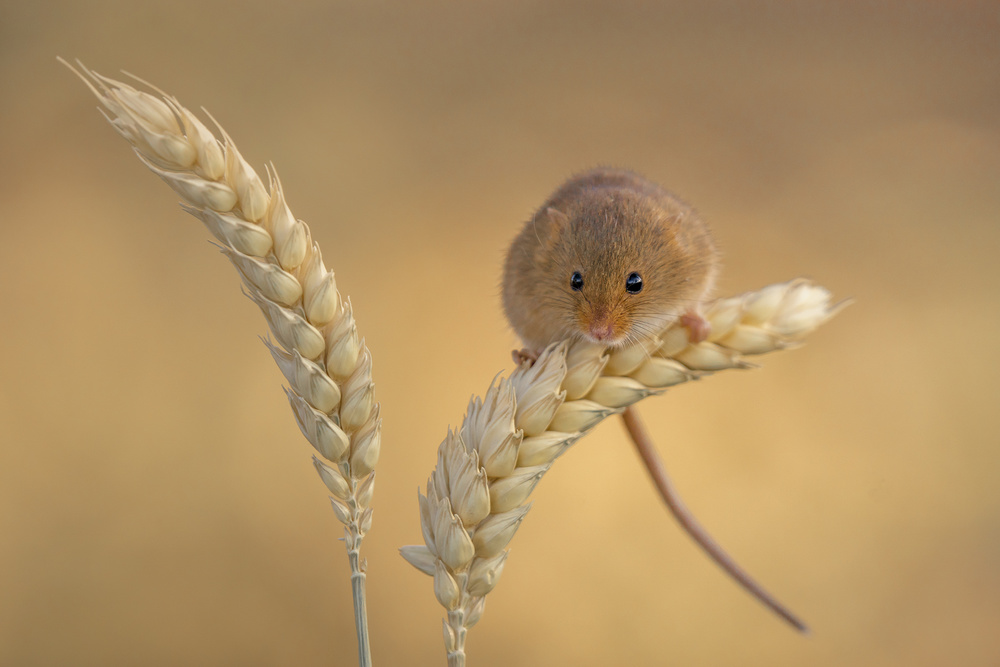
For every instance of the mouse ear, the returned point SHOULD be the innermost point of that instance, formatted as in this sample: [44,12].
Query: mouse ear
[548,226]
[554,223]
[557,218]
[558,222]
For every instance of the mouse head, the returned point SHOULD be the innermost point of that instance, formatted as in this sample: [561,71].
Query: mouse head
[619,271]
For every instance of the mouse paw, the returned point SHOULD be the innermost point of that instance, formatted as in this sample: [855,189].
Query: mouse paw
[523,355]
[698,327]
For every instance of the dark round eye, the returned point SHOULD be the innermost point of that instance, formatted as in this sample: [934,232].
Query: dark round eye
[576,281]
[633,284]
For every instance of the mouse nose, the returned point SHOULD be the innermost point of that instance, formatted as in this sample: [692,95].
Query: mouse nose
[602,332]
[602,327]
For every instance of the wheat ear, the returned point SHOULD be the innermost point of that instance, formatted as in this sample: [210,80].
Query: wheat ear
[328,368]
[476,496]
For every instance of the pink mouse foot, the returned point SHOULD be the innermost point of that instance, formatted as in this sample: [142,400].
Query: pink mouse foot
[523,355]
[698,327]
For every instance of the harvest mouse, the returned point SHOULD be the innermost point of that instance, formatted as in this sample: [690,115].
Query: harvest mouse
[610,257]
[614,258]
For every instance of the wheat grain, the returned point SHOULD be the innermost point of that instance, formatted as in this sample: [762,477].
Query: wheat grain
[476,496]
[328,368]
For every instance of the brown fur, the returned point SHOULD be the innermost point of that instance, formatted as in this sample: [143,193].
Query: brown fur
[606,224]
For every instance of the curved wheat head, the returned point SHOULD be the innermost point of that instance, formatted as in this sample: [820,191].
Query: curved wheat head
[477,495]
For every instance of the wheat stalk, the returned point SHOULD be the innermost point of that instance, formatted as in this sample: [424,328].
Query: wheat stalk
[477,494]
[328,368]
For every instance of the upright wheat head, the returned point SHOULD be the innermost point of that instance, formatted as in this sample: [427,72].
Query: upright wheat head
[329,370]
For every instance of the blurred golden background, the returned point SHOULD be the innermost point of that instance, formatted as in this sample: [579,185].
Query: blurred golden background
[157,503]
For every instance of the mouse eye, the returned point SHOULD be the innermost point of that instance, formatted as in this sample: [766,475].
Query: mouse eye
[576,281]
[633,284]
